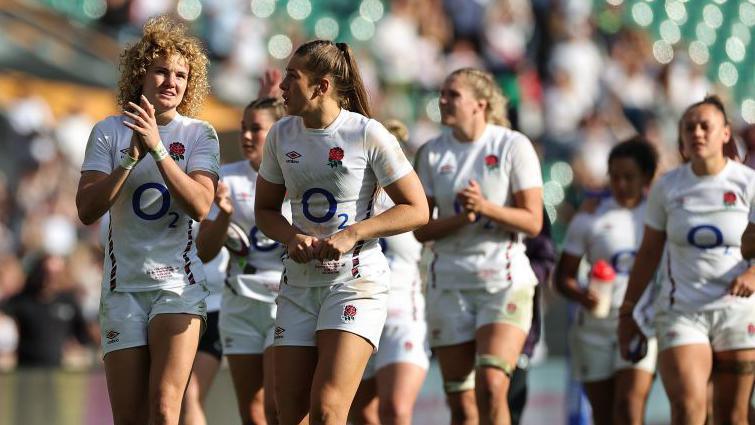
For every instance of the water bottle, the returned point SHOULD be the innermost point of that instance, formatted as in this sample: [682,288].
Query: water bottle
[602,276]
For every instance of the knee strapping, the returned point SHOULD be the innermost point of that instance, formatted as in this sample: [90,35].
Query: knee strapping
[461,385]
[734,367]
[489,360]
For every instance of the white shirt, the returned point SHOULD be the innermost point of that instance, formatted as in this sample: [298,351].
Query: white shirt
[403,253]
[331,176]
[482,254]
[150,238]
[703,218]
[613,234]
[257,275]
[214,271]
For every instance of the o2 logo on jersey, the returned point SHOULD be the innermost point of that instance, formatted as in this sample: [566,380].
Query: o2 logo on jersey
[622,260]
[332,207]
[152,198]
[260,242]
[705,236]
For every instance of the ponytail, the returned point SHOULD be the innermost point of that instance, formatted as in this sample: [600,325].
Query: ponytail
[323,57]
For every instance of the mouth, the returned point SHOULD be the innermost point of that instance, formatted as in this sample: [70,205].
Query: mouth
[167,94]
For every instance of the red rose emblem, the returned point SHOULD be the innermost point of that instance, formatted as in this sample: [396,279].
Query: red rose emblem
[730,198]
[176,151]
[751,329]
[335,155]
[350,311]
[511,308]
[491,161]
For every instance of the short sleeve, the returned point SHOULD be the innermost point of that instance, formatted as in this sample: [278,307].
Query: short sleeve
[98,154]
[423,169]
[270,169]
[575,242]
[655,211]
[384,154]
[525,166]
[206,153]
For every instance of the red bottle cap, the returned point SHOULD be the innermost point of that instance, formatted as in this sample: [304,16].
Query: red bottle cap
[601,270]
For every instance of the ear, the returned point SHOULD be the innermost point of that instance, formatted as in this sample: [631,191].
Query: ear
[322,87]
[482,104]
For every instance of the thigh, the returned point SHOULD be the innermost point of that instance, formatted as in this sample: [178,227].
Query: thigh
[733,381]
[456,362]
[342,357]
[450,318]
[173,341]
[501,340]
[400,383]
[364,408]
[685,371]
[294,371]
[127,373]
[203,373]
[247,375]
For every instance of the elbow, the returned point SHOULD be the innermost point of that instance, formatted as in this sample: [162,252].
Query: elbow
[421,235]
[423,216]
[86,216]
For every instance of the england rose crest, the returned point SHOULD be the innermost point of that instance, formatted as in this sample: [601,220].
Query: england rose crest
[491,161]
[176,151]
[349,313]
[730,198]
[335,156]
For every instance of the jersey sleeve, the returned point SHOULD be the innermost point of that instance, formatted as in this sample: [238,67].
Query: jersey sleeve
[98,155]
[384,154]
[575,242]
[525,166]
[206,154]
[655,211]
[270,169]
[423,169]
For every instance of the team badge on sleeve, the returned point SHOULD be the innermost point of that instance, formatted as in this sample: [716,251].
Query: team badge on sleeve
[176,151]
[335,156]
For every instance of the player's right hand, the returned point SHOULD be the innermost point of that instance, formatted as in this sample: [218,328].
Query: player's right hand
[223,198]
[588,299]
[627,330]
[301,248]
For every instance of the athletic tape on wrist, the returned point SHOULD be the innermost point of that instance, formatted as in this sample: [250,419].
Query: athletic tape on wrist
[128,162]
[159,153]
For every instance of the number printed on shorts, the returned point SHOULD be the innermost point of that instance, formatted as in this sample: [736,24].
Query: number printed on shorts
[164,202]
[329,214]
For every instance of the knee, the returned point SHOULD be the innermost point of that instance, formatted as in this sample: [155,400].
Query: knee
[629,407]
[492,384]
[463,407]
[324,413]
[395,411]
[165,406]
[687,408]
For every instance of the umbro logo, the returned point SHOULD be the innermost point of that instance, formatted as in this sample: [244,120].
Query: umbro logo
[292,157]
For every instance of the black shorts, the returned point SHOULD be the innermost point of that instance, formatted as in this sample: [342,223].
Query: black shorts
[210,341]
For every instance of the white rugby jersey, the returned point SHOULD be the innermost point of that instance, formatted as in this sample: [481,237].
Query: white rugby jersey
[403,253]
[214,271]
[704,218]
[483,254]
[258,274]
[150,238]
[331,176]
[613,234]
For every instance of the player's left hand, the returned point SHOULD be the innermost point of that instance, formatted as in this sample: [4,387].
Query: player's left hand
[332,247]
[744,284]
[471,198]
[145,124]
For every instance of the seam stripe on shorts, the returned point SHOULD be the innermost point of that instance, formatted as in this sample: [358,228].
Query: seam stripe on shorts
[111,253]
[187,261]
[672,280]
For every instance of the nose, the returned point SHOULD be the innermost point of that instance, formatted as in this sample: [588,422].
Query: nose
[283,86]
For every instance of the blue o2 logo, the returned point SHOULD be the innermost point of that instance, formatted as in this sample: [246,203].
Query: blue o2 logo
[705,236]
[622,260]
[136,201]
[263,243]
[332,207]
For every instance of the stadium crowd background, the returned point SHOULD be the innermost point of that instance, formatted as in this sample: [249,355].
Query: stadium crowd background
[580,75]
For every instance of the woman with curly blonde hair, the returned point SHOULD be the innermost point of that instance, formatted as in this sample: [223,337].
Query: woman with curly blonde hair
[152,307]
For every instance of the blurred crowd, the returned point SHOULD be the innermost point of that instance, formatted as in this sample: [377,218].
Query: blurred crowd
[575,85]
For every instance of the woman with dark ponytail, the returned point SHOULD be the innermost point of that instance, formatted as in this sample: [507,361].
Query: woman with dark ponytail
[330,158]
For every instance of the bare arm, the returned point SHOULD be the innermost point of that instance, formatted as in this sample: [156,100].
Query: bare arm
[212,233]
[410,212]
[441,227]
[748,242]
[97,192]
[565,281]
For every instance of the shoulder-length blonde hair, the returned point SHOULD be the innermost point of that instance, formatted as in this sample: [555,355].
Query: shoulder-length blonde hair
[484,87]
[164,37]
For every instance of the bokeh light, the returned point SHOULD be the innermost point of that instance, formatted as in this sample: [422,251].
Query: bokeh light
[698,52]
[562,173]
[326,28]
[299,9]
[371,10]
[676,11]
[263,8]
[741,31]
[432,109]
[362,29]
[95,9]
[727,74]
[189,9]
[712,16]
[615,2]
[642,14]
[747,13]
[553,193]
[279,46]
[748,111]
[663,52]
[735,49]
[670,32]
[705,33]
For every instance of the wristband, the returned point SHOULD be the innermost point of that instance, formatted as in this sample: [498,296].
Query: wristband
[159,153]
[128,162]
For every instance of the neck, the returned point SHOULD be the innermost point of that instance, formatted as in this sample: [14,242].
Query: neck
[255,164]
[322,117]
[163,118]
[628,203]
[708,166]
[470,132]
